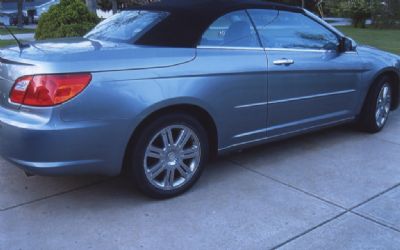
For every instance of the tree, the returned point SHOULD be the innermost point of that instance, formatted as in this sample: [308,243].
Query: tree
[105,5]
[358,10]
[386,14]
[312,5]
[114,5]
[20,6]
[320,6]
[70,18]
[92,5]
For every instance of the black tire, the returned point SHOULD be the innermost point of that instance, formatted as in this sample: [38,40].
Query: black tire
[367,120]
[137,154]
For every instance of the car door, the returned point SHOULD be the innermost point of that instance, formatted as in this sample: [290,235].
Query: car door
[236,66]
[310,83]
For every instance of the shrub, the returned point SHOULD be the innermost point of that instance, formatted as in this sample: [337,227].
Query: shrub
[70,18]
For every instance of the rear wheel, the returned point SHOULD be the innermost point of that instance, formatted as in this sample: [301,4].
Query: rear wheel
[169,156]
[377,107]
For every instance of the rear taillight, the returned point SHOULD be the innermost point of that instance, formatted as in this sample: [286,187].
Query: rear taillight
[48,90]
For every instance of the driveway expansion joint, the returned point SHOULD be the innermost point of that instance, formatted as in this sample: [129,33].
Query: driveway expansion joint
[289,186]
[375,221]
[309,230]
[346,210]
[389,141]
[375,196]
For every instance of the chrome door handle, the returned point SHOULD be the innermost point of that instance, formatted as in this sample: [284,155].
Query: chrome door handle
[283,62]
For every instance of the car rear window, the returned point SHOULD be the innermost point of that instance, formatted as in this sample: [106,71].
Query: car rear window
[127,26]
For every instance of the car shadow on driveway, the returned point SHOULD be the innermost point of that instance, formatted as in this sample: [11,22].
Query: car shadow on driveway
[228,202]
[259,198]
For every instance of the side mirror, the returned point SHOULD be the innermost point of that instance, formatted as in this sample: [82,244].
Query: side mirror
[347,44]
[353,44]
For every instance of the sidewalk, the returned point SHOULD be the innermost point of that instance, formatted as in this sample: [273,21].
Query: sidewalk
[339,21]
[24,37]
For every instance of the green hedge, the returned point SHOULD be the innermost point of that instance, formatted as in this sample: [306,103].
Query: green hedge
[70,18]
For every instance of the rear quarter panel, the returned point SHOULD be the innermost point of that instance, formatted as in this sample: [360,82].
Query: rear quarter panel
[209,82]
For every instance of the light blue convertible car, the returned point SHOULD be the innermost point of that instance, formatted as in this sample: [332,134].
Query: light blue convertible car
[156,91]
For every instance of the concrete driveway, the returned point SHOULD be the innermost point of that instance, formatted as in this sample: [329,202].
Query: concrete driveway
[335,189]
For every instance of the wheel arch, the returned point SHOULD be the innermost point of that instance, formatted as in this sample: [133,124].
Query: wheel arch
[201,114]
[394,75]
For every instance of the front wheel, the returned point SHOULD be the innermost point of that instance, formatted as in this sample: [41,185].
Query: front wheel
[169,156]
[377,107]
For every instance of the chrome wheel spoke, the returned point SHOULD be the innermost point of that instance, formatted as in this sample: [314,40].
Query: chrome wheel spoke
[385,92]
[156,170]
[378,114]
[381,96]
[190,153]
[167,137]
[183,169]
[154,152]
[169,178]
[183,138]
[387,110]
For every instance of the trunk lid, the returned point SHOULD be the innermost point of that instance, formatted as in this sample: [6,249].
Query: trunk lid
[74,55]
[84,55]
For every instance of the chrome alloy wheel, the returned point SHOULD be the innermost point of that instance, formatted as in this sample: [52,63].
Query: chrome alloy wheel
[172,157]
[383,105]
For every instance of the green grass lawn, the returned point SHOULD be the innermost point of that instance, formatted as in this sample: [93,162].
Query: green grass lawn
[7,42]
[388,40]
[15,30]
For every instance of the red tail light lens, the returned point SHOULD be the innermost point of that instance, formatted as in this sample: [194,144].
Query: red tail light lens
[48,90]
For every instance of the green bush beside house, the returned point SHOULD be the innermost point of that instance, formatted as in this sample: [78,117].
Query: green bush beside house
[70,18]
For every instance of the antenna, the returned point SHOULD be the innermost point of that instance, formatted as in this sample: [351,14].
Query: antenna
[21,46]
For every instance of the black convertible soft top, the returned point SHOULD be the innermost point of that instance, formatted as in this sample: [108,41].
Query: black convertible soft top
[189,19]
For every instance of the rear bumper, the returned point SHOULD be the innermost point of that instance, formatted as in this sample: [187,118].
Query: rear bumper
[89,167]
[43,146]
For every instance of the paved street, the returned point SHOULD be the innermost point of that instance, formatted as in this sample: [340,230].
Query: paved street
[335,189]
[23,37]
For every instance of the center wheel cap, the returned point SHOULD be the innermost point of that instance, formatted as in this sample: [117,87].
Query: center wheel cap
[172,159]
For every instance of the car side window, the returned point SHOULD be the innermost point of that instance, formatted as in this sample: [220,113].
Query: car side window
[231,30]
[290,30]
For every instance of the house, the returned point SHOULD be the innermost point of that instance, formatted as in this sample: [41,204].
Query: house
[32,10]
